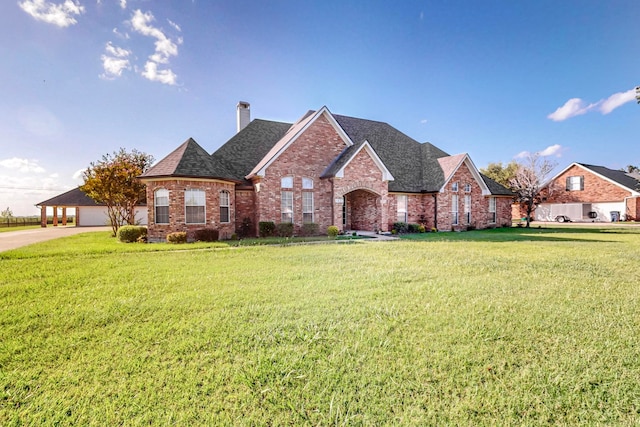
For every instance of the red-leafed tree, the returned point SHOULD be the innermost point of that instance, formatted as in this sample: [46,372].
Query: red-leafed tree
[113,181]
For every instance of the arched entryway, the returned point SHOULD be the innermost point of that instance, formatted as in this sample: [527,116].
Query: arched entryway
[361,210]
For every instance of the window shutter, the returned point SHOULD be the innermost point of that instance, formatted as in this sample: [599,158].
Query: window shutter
[582,182]
[568,187]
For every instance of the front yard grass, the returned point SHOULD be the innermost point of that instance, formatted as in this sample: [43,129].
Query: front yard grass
[506,326]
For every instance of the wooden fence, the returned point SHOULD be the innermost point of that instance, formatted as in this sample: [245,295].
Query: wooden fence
[28,221]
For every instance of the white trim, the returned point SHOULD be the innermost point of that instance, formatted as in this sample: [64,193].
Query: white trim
[386,175]
[292,135]
[474,172]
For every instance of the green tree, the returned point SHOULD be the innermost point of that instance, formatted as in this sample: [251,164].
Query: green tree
[638,94]
[114,182]
[7,213]
[528,183]
[501,174]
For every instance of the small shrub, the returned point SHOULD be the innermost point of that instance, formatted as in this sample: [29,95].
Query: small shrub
[131,233]
[434,230]
[400,227]
[246,228]
[413,228]
[177,237]
[284,229]
[332,231]
[234,236]
[267,228]
[394,231]
[421,228]
[206,235]
[309,229]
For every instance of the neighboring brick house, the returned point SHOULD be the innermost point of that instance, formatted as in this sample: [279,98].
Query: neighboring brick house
[590,193]
[324,169]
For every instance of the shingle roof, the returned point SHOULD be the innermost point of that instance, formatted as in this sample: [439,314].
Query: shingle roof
[623,178]
[244,150]
[188,160]
[414,166]
[71,198]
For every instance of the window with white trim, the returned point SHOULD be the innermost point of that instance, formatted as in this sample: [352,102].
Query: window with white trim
[307,184]
[224,206]
[454,186]
[575,183]
[402,208]
[286,206]
[454,209]
[286,182]
[194,207]
[467,209]
[467,188]
[492,210]
[307,207]
[161,206]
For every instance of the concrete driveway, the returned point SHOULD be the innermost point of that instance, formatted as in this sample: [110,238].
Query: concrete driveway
[16,239]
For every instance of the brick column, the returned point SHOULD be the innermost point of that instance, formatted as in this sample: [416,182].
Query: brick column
[43,217]
[55,216]
[64,216]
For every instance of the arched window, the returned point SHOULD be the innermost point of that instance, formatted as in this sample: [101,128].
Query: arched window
[161,206]
[224,206]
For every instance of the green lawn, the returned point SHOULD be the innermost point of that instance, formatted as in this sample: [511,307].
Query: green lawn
[499,327]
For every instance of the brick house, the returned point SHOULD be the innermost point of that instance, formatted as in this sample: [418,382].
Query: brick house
[325,169]
[584,192]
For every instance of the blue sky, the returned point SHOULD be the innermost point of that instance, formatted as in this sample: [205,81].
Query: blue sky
[496,78]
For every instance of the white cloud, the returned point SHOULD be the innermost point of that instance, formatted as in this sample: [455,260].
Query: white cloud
[576,106]
[119,34]
[123,4]
[423,121]
[174,25]
[61,14]
[114,61]
[152,73]
[552,150]
[571,108]
[79,175]
[616,100]
[22,165]
[164,48]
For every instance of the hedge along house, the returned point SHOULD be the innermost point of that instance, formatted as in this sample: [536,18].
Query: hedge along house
[324,169]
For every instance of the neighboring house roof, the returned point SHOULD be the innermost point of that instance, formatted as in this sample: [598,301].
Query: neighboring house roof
[628,181]
[619,177]
[409,166]
[75,197]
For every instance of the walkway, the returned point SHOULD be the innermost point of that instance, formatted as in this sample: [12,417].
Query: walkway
[16,239]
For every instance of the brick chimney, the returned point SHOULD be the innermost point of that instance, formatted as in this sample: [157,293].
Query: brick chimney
[243,115]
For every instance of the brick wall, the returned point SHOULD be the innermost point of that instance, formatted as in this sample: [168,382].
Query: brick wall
[212,188]
[307,157]
[366,195]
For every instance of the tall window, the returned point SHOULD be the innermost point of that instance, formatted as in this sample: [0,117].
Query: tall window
[575,183]
[307,207]
[224,206]
[286,206]
[161,202]
[467,208]
[194,206]
[454,209]
[492,210]
[402,208]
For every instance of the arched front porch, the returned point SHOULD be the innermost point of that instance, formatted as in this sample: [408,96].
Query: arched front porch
[362,210]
